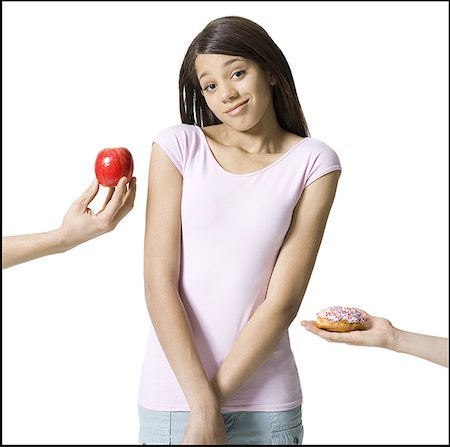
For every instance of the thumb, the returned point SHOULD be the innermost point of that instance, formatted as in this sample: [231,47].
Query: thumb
[89,194]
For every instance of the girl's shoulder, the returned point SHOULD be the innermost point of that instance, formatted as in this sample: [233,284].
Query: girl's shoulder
[178,129]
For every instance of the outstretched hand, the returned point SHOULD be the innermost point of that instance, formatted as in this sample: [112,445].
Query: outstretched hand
[81,224]
[378,332]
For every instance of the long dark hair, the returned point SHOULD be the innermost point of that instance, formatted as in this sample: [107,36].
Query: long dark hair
[237,36]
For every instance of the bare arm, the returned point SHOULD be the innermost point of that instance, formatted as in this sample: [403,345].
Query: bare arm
[380,333]
[428,347]
[286,289]
[161,272]
[80,224]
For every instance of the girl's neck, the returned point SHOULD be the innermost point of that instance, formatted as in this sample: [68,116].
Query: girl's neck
[263,138]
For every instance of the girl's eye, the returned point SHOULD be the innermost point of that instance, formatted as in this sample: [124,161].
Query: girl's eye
[239,73]
[209,87]
[236,74]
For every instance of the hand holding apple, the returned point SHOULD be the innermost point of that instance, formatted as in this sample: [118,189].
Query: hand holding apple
[112,164]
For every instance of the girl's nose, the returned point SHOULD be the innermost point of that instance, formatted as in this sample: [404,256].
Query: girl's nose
[228,93]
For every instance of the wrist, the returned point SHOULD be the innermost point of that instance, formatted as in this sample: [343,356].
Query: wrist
[61,241]
[394,342]
[217,391]
[204,407]
[205,403]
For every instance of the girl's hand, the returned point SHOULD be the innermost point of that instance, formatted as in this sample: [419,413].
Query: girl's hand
[205,428]
[378,332]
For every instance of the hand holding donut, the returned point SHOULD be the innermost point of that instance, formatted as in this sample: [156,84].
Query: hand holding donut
[371,331]
[379,332]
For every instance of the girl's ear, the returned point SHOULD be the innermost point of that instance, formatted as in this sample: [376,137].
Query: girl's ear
[272,80]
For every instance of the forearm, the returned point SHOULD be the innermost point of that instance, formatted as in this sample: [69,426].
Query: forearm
[174,332]
[251,350]
[23,248]
[428,347]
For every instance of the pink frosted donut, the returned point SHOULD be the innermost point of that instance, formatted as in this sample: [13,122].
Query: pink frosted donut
[340,319]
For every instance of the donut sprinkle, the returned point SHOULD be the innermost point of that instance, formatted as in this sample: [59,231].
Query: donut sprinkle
[338,313]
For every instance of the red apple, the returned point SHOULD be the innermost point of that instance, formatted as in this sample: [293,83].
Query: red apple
[112,164]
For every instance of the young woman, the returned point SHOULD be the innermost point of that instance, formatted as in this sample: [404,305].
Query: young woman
[239,196]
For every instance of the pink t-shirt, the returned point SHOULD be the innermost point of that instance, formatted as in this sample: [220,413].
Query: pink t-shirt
[233,226]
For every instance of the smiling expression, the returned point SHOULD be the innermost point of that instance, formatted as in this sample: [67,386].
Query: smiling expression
[236,89]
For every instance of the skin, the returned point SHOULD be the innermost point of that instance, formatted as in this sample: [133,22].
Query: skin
[255,133]
[381,333]
[79,225]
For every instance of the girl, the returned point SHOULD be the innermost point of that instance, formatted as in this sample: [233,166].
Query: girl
[238,199]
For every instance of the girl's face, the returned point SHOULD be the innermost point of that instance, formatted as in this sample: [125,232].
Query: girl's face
[236,89]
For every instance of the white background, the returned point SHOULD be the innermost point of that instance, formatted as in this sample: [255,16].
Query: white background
[372,79]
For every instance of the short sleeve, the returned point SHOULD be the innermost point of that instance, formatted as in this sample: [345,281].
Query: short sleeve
[171,142]
[325,160]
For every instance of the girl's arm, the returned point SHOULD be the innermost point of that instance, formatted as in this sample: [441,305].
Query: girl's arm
[287,286]
[80,224]
[161,271]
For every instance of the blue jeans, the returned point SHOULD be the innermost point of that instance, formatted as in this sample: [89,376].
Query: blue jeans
[243,427]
